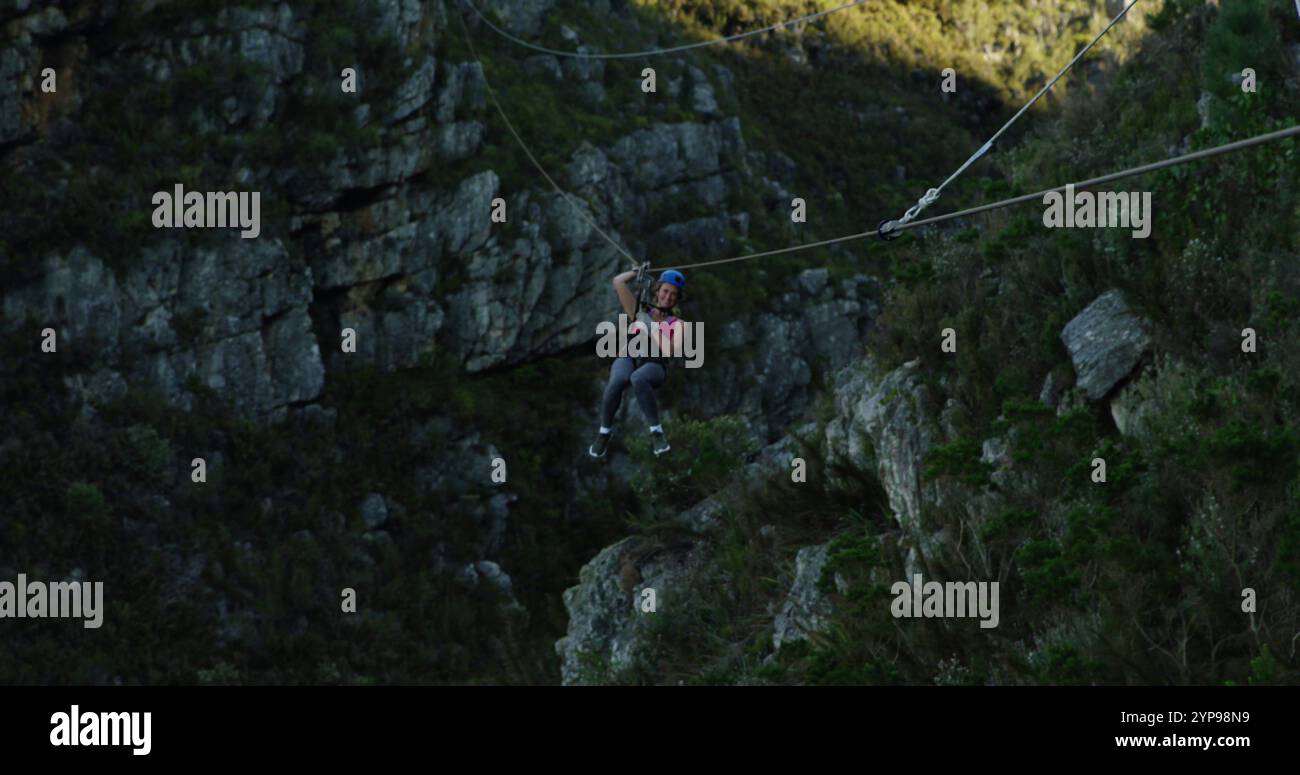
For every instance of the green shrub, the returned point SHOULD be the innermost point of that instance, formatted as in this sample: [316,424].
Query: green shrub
[705,455]
[960,459]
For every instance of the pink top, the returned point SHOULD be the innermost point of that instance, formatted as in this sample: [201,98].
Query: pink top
[666,326]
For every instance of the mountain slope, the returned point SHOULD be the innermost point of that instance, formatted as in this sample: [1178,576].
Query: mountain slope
[373,473]
[981,464]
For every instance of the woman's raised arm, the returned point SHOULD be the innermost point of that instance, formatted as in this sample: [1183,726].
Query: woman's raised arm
[625,296]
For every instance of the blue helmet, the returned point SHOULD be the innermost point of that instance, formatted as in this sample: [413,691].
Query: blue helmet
[673,277]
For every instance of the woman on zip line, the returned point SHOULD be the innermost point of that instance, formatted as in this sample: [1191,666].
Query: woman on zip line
[643,374]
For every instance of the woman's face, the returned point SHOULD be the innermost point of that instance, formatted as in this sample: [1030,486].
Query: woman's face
[667,295]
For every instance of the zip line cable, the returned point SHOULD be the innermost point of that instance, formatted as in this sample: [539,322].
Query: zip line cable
[492,93]
[901,224]
[1188,157]
[933,194]
[656,51]
[1159,165]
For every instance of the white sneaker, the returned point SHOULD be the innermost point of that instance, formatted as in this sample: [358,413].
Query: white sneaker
[660,442]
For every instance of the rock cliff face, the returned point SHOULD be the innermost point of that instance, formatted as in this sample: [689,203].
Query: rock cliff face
[886,421]
[379,242]
[610,629]
[1105,341]
[387,233]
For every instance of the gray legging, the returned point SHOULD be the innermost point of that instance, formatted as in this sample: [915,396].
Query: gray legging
[644,379]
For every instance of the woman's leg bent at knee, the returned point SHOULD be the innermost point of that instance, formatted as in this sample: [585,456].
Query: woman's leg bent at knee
[644,382]
[620,373]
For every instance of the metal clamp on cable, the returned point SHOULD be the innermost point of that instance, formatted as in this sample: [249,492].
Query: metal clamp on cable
[930,197]
[892,233]
[643,286]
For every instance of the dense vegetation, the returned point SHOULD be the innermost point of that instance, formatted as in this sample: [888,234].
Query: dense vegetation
[1140,580]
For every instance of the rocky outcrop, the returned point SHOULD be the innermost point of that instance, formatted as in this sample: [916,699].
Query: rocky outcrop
[269,39]
[703,100]
[608,628]
[235,319]
[1105,340]
[607,620]
[520,17]
[374,511]
[24,106]
[1152,392]
[884,421]
[805,611]
[650,170]
[487,576]
[816,325]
